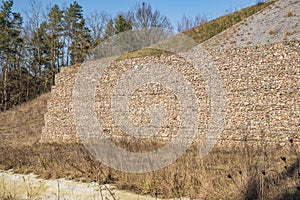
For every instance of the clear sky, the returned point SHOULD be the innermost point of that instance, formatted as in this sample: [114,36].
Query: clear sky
[173,9]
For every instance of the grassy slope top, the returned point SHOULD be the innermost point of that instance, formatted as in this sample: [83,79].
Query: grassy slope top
[216,26]
[206,31]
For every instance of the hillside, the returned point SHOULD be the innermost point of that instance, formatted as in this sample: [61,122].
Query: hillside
[23,124]
[278,22]
[216,26]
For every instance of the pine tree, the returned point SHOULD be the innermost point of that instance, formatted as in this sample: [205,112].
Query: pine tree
[54,33]
[44,58]
[10,28]
[78,33]
[122,25]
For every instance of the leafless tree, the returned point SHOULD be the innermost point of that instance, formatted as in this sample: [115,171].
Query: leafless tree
[144,17]
[97,22]
[187,23]
[33,17]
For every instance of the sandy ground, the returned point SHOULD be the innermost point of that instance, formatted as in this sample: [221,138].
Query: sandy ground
[18,186]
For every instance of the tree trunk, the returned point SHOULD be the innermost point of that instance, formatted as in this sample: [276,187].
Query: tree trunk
[5,70]
[68,50]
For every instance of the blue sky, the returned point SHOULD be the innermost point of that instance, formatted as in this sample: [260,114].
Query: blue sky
[173,9]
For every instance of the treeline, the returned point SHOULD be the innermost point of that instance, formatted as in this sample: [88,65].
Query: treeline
[34,48]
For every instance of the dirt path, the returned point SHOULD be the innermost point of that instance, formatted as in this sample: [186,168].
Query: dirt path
[18,186]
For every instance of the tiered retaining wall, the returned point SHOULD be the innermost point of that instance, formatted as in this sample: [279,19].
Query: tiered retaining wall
[262,86]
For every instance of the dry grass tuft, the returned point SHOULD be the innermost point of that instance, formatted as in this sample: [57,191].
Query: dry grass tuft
[272,31]
[290,14]
[290,33]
